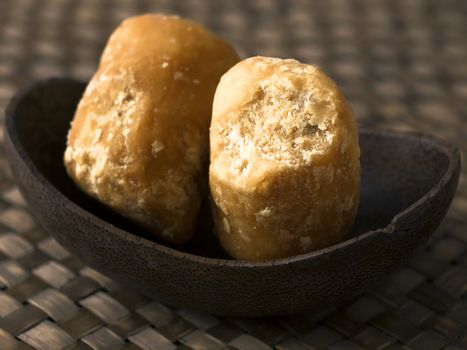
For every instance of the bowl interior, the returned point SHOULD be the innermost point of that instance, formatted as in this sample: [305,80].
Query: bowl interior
[396,170]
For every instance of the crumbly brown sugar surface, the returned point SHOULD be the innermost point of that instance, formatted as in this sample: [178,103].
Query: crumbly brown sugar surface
[285,169]
[139,138]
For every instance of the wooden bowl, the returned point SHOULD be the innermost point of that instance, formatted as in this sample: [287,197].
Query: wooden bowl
[408,182]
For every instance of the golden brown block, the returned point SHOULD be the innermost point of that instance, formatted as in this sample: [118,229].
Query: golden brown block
[285,169]
[139,138]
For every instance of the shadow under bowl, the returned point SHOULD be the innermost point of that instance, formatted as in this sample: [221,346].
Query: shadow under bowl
[408,182]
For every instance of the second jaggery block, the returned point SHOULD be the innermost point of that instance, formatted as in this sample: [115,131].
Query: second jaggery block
[285,169]
[139,138]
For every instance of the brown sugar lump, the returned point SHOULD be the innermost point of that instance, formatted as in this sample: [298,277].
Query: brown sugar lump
[139,138]
[285,169]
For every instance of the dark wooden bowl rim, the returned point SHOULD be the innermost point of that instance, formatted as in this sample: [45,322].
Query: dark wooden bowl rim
[449,150]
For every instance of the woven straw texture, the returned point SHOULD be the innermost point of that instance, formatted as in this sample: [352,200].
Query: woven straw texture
[403,66]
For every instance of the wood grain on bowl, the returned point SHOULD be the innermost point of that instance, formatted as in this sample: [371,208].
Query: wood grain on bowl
[408,182]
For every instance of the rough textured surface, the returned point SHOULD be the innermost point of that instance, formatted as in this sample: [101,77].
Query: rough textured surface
[139,138]
[408,182]
[401,64]
[285,168]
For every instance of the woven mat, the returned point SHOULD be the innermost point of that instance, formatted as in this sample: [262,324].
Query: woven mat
[402,64]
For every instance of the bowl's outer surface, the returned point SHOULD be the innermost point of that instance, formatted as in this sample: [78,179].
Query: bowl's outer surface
[408,182]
